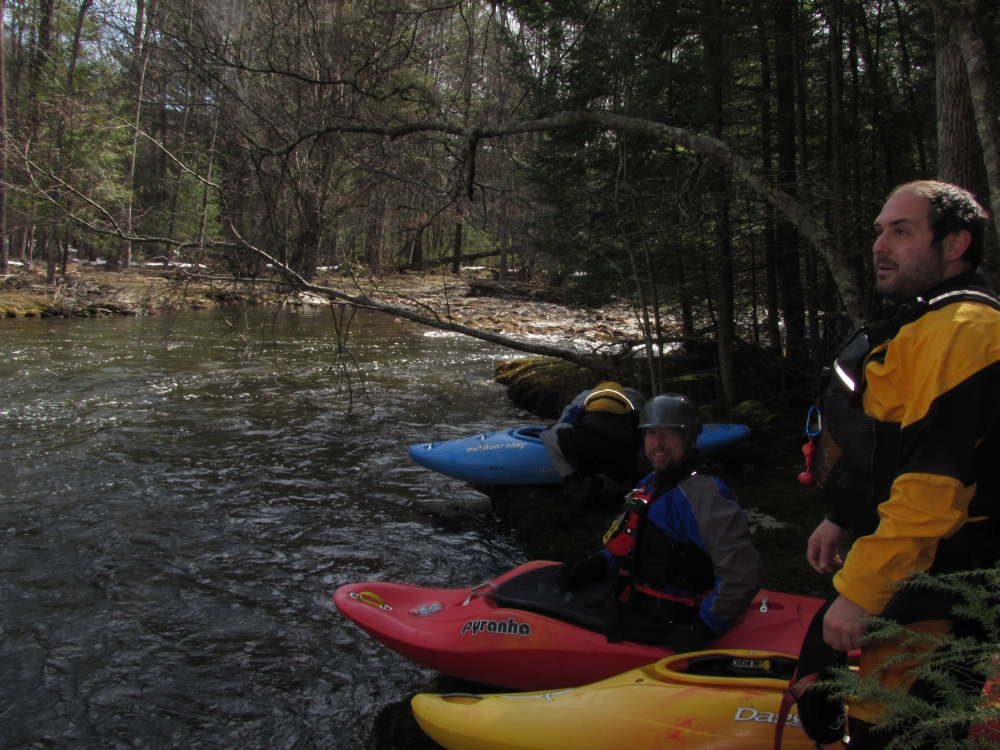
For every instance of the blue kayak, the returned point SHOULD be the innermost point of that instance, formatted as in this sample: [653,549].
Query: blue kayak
[518,457]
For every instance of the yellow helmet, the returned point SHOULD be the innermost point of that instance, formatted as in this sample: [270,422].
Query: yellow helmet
[609,397]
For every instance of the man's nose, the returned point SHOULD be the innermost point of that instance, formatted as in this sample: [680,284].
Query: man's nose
[879,247]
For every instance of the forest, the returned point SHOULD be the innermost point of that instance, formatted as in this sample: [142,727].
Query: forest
[716,164]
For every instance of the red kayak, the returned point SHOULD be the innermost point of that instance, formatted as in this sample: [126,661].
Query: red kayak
[521,631]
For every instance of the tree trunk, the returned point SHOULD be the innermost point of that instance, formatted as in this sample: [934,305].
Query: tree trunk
[456,263]
[43,48]
[837,155]
[647,330]
[714,62]
[64,262]
[772,324]
[960,153]
[308,254]
[373,258]
[812,299]
[786,235]
[417,256]
[29,247]
[754,297]
[908,83]
[334,249]
[203,222]
[504,238]
[984,101]
[725,330]
[64,117]
[4,260]
[812,260]
[836,125]
[52,259]
[179,182]
[140,52]
[684,295]
[657,324]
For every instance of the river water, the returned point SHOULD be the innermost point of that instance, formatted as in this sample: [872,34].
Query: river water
[175,516]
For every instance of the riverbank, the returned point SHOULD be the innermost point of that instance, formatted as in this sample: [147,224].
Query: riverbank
[90,291]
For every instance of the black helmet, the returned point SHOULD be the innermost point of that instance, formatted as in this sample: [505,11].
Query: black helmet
[676,412]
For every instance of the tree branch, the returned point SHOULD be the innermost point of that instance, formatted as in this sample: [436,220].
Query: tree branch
[594,361]
[828,246]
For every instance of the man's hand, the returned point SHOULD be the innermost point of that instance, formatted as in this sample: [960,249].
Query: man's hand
[845,625]
[823,553]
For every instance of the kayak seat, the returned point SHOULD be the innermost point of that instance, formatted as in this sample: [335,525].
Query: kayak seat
[538,591]
[648,621]
[725,665]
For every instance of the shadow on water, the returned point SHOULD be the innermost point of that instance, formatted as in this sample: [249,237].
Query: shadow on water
[173,523]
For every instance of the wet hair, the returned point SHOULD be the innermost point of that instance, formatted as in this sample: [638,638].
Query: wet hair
[952,209]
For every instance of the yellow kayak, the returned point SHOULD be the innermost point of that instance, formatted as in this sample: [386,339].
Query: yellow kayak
[719,699]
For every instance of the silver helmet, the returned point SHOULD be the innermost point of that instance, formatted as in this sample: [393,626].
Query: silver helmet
[675,412]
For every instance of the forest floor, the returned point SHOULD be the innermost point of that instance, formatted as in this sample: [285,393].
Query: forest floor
[763,470]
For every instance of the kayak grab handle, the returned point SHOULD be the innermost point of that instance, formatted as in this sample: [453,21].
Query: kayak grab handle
[370,598]
[467,699]
[483,589]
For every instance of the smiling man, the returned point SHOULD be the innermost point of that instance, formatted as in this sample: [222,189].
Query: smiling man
[910,439]
[681,548]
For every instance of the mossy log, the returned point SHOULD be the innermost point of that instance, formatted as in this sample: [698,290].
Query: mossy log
[542,384]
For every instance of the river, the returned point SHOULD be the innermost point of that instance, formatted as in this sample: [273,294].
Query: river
[175,516]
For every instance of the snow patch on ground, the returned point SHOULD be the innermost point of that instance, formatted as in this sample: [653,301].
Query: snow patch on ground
[760,520]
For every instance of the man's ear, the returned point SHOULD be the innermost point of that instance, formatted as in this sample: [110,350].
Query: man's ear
[956,243]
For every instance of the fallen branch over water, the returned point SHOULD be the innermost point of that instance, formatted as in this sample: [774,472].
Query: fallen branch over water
[597,360]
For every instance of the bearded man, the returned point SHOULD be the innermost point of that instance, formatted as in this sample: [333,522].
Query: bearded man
[910,442]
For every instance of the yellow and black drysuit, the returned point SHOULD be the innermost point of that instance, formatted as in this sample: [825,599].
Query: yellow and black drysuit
[909,457]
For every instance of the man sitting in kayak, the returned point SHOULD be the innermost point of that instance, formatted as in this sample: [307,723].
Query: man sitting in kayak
[680,550]
[595,443]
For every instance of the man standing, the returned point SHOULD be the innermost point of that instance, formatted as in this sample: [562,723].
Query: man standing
[911,435]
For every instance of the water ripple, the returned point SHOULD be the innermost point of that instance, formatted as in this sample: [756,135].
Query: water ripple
[173,525]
